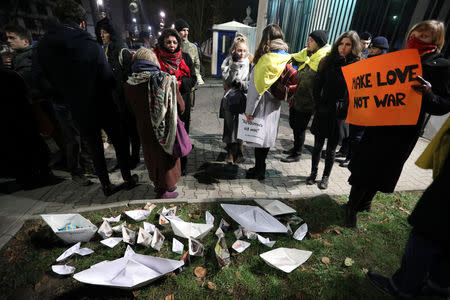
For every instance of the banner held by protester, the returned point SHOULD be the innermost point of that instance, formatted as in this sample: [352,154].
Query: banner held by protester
[252,132]
[380,92]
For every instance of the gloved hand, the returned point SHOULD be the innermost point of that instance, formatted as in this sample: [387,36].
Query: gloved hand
[424,87]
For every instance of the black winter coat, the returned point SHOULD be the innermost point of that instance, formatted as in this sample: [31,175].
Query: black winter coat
[331,97]
[378,161]
[430,216]
[22,63]
[75,65]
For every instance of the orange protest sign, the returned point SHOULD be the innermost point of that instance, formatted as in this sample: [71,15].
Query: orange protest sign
[380,91]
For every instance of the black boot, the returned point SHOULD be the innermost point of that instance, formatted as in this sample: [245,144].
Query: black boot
[312,177]
[350,217]
[261,175]
[356,196]
[323,185]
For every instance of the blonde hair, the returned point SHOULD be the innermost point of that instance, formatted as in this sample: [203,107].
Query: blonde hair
[147,54]
[436,28]
[239,39]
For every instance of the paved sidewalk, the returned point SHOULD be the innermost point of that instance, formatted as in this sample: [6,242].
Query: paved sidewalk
[208,179]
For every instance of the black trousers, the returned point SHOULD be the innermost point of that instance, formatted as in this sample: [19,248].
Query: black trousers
[355,136]
[423,259]
[109,121]
[330,153]
[260,159]
[360,198]
[299,122]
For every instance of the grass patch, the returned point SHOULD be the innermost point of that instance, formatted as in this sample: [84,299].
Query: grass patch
[377,244]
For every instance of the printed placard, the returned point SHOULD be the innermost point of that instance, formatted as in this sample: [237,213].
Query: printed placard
[252,132]
[380,92]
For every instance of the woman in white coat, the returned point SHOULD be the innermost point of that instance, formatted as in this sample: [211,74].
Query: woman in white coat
[270,60]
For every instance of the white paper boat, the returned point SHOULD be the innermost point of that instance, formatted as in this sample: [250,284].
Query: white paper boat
[82,234]
[187,229]
[301,232]
[129,272]
[275,207]
[63,269]
[285,259]
[177,246]
[112,219]
[139,214]
[266,241]
[75,249]
[111,242]
[240,246]
[253,218]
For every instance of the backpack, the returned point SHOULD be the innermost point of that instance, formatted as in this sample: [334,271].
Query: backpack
[285,86]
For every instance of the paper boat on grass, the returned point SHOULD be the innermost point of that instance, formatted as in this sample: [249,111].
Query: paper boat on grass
[275,207]
[285,259]
[83,233]
[253,218]
[186,229]
[139,214]
[129,272]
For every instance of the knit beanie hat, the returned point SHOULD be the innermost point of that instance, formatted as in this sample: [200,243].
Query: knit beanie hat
[180,24]
[147,54]
[380,42]
[320,37]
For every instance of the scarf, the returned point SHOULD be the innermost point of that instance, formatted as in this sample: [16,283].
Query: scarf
[313,60]
[434,155]
[271,65]
[424,48]
[162,100]
[172,63]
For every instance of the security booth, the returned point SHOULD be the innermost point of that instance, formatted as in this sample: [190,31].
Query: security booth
[223,37]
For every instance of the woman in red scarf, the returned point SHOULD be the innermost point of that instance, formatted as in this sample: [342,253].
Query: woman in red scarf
[378,160]
[177,63]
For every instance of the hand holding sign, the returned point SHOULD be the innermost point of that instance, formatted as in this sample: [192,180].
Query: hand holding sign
[381,89]
[424,87]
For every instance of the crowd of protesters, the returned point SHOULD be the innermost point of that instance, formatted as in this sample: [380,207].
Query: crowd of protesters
[88,92]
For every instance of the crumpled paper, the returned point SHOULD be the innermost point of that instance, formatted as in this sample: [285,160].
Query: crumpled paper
[222,253]
[238,233]
[105,230]
[144,238]
[219,233]
[149,206]
[224,225]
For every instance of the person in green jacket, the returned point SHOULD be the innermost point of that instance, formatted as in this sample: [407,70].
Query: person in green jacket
[302,104]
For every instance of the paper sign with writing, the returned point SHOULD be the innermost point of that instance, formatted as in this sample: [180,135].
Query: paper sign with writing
[252,132]
[380,91]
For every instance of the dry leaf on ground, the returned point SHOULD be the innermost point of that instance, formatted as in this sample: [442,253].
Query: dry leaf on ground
[385,220]
[325,260]
[200,272]
[314,235]
[327,230]
[238,275]
[136,294]
[170,297]
[337,231]
[404,210]
[211,286]
[171,205]
[365,271]
[325,243]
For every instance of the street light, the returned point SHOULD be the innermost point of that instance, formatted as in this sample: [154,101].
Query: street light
[162,14]
[134,20]
[149,28]
[173,26]
[99,2]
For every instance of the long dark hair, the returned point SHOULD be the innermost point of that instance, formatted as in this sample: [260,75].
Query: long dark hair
[270,33]
[334,53]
